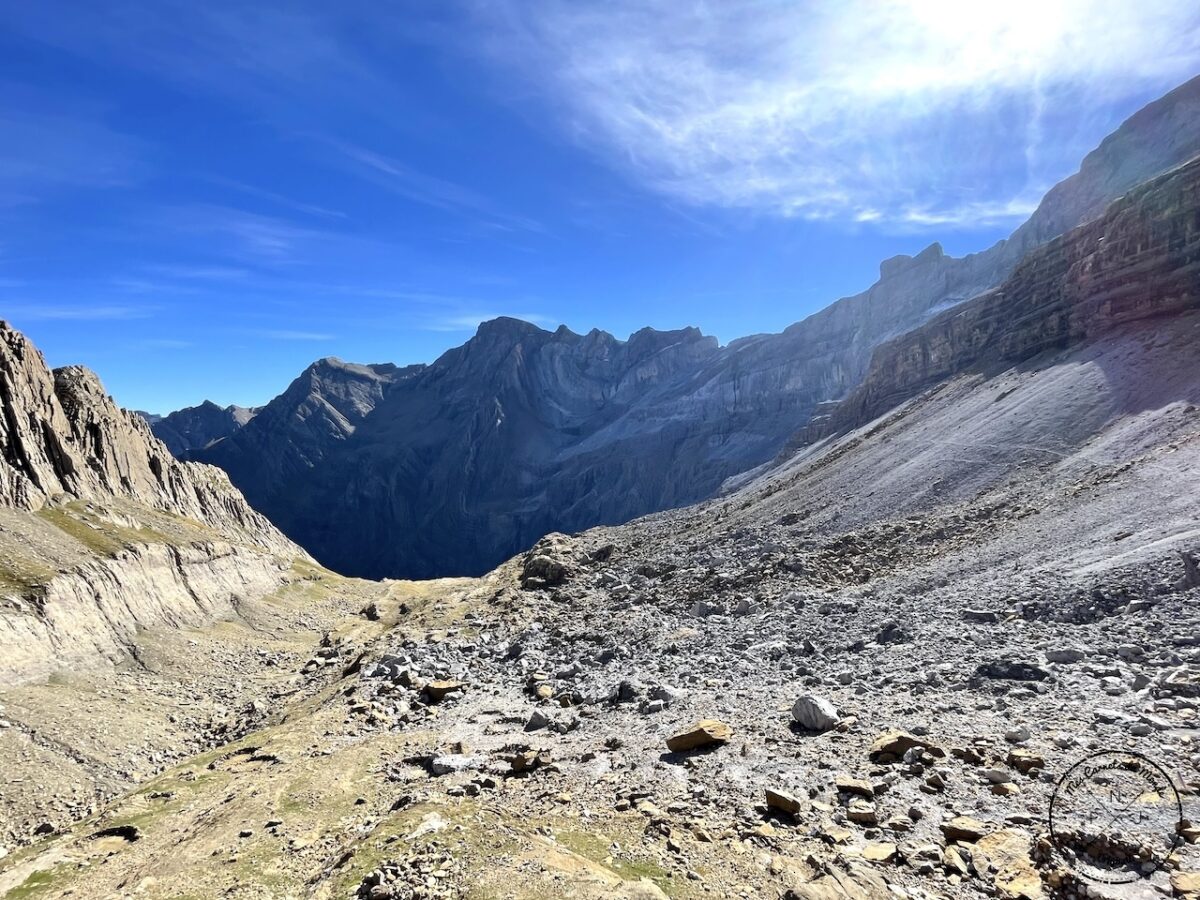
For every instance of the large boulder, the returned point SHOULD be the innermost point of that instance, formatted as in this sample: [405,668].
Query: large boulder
[704,733]
[892,745]
[549,563]
[814,713]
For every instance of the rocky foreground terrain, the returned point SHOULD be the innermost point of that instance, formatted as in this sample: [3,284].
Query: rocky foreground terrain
[453,467]
[859,674]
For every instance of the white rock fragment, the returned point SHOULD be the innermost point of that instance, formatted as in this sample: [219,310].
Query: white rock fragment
[814,713]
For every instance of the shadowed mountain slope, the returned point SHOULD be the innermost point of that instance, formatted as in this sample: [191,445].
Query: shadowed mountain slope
[195,427]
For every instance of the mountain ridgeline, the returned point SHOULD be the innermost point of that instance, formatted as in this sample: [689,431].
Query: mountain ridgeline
[197,426]
[451,468]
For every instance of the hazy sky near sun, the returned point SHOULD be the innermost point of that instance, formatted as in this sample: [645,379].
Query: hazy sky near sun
[198,199]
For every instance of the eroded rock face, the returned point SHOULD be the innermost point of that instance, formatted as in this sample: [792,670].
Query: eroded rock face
[92,614]
[1136,262]
[104,533]
[453,467]
[61,436]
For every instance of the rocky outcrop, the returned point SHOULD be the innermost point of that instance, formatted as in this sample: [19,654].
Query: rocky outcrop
[197,427]
[61,436]
[1139,260]
[104,533]
[93,613]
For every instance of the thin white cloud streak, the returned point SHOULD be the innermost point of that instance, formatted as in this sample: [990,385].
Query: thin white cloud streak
[431,191]
[73,313]
[291,203]
[289,335]
[471,321]
[866,110]
[245,235]
[198,272]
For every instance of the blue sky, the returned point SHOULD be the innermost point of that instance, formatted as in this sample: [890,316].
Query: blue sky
[198,199]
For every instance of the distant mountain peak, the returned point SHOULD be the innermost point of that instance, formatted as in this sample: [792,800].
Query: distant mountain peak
[506,327]
[902,262]
[188,430]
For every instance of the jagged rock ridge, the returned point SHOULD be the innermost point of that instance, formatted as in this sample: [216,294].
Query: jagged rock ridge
[196,427]
[470,459]
[61,434]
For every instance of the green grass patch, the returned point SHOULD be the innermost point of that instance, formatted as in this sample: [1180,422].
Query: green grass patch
[596,847]
[102,538]
[20,577]
[40,884]
[305,569]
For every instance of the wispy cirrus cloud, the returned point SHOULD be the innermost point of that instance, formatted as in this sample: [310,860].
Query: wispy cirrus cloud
[253,53]
[45,311]
[916,112]
[43,152]
[240,234]
[277,199]
[285,334]
[460,322]
[184,272]
[429,190]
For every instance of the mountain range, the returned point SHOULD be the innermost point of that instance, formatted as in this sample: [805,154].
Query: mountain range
[450,468]
[860,671]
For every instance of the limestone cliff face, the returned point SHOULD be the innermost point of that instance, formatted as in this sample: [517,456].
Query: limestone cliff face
[102,532]
[827,354]
[91,614]
[1140,259]
[1158,137]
